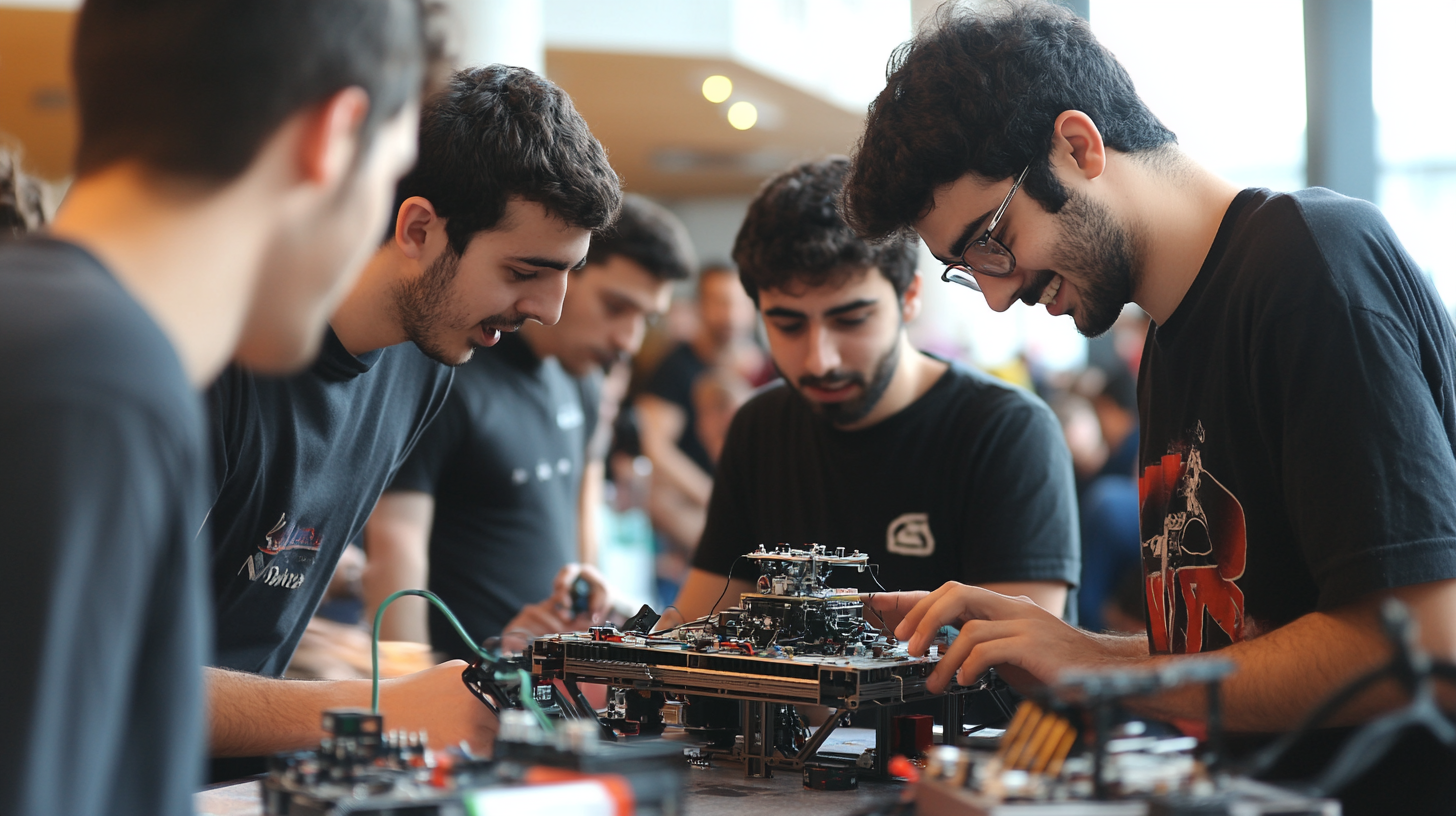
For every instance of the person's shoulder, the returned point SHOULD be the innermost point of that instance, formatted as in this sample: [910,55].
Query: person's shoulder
[1317,248]
[972,389]
[67,325]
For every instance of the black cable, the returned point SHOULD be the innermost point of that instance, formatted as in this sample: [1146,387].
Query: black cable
[726,582]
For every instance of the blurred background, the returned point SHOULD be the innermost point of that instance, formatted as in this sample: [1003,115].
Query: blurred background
[697,102]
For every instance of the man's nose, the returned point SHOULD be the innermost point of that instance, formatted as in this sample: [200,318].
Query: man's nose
[543,301]
[1000,292]
[823,354]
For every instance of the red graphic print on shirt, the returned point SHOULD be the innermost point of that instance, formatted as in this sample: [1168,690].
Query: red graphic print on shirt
[1193,553]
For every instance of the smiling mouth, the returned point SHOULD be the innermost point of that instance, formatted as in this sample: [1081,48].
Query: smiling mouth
[1050,292]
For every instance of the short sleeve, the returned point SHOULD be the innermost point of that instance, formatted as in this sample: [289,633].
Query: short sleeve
[673,381]
[726,534]
[1368,472]
[1021,507]
[440,440]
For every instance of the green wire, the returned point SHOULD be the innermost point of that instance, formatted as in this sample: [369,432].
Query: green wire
[527,698]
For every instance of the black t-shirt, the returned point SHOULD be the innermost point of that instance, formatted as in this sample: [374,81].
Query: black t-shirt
[1299,427]
[971,482]
[504,461]
[673,381]
[299,463]
[103,591]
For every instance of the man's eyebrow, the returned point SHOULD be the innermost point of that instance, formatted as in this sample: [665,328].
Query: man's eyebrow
[780,311]
[851,306]
[550,263]
[970,233]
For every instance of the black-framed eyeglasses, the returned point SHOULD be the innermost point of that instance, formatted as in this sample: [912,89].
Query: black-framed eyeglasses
[986,255]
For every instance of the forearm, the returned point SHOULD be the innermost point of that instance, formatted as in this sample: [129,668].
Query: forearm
[397,542]
[673,467]
[1283,675]
[251,715]
[406,617]
[590,504]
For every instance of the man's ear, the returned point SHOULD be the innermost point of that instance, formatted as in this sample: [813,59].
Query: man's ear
[1077,145]
[413,222]
[911,302]
[329,138]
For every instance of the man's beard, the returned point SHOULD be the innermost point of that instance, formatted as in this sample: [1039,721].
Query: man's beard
[851,411]
[1104,257]
[425,309]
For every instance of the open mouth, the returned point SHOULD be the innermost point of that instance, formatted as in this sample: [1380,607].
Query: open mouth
[1049,294]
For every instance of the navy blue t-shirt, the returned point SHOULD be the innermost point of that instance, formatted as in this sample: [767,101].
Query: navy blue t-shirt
[104,595]
[299,463]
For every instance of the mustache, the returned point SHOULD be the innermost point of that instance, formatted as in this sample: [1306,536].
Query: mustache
[833,379]
[505,322]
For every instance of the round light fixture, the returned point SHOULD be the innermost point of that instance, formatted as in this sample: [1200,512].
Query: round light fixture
[742,115]
[717,88]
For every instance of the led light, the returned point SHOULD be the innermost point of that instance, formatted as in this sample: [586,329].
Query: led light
[717,88]
[742,115]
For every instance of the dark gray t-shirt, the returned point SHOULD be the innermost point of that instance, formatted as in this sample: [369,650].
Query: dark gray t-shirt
[298,464]
[103,592]
[972,482]
[504,462]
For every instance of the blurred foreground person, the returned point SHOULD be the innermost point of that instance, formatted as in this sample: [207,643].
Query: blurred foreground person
[235,164]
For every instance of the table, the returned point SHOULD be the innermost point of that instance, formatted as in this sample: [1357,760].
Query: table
[715,791]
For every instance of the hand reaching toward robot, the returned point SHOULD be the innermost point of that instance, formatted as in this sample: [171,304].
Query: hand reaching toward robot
[1001,631]
[580,598]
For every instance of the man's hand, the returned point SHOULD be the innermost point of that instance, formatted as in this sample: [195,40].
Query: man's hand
[999,630]
[436,700]
[600,601]
[887,609]
[553,615]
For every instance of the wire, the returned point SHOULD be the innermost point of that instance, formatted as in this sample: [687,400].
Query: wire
[726,582]
[445,610]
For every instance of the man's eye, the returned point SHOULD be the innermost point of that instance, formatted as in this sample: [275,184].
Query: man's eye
[852,321]
[520,275]
[789,328]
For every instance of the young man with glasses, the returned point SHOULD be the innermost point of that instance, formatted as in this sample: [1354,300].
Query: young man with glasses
[932,468]
[1298,385]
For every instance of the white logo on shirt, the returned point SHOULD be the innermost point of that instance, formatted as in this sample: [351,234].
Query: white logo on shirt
[910,535]
[569,416]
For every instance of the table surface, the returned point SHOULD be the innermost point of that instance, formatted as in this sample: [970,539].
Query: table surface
[715,791]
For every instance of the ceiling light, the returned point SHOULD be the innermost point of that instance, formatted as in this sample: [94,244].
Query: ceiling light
[717,88]
[742,115]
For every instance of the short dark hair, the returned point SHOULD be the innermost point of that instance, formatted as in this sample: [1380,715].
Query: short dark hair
[194,88]
[497,133]
[646,234]
[978,91]
[793,234]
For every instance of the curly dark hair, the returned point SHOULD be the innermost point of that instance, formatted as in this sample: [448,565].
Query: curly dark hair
[194,88]
[793,235]
[497,133]
[978,90]
[649,235]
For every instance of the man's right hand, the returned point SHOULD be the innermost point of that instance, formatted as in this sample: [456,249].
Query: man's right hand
[436,701]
